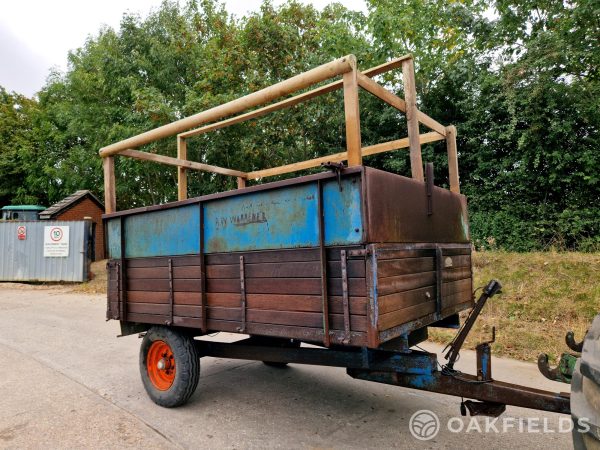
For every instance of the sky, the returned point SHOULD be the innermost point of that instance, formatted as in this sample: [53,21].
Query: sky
[35,36]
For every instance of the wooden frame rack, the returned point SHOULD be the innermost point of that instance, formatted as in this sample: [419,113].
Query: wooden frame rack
[352,79]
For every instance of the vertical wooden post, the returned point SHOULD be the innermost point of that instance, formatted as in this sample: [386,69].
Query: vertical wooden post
[452,158]
[410,96]
[110,195]
[241,182]
[352,112]
[181,171]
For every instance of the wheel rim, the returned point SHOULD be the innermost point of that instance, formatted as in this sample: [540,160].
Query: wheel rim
[160,363]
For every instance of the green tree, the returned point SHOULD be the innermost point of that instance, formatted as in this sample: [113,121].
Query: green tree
[17,148]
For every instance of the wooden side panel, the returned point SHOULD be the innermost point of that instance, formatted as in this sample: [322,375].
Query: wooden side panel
[391,290]
[282,289]
[407,280]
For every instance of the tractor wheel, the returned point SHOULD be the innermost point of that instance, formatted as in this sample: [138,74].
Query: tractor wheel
[585,392]
[286,343]
[169,366]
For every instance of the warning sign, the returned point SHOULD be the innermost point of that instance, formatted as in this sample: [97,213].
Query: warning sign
[56,241]
[21,232]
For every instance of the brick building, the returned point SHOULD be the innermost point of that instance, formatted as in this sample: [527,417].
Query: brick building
[77,206]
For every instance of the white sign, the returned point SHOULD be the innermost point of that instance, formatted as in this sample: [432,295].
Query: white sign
[56,241]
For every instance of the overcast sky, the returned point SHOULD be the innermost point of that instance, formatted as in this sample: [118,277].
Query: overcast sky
[36,35]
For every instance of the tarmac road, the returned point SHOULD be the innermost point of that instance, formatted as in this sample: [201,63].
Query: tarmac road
[66,381]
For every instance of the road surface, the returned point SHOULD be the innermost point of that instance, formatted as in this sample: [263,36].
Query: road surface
[66,381]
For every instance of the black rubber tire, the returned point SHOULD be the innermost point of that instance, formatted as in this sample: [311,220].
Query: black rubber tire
[287,343]
[187,362]
[585,392]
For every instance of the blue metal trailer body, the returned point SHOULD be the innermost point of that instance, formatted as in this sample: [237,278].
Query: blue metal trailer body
[265,220]
[390,255]
[283,215]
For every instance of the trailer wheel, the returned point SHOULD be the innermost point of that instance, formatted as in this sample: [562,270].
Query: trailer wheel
[169,366]
[585,392]
[286,343]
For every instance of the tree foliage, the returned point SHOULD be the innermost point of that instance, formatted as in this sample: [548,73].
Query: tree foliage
[519,79]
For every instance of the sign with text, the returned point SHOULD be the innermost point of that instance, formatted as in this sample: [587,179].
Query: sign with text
[56,241]
[21,232]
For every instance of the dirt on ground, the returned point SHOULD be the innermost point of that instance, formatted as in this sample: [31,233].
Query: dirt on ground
[98,280]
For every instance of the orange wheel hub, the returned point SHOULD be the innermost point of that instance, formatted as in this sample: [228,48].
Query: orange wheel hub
[160,363]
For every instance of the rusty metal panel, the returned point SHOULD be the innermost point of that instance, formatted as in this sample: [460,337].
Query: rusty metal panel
[162,233]
[397,211]
[24,260]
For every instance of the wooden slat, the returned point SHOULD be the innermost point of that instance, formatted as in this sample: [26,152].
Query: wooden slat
[304,269]
[402,266]
[384,253]
[268,256]
[180,298]
[301,333]
[181,163]
[293,318]
[459,260]
[306,334]
[405,299]
[160,261]
[287,302]
[391,285]
[307,286]
[410,94]
[162,272]
[456,286]
[395,267]
[400,300]
[165,309]
[161,285]
[456,273]
[457,251]
[405,315]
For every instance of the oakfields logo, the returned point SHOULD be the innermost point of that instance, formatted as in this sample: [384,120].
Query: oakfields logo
[425,425]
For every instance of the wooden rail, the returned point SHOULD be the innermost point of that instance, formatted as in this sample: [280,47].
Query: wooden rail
[351,80]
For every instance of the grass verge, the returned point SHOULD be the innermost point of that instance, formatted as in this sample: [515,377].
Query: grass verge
[544,295]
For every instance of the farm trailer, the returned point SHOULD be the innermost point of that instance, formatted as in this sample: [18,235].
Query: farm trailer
[356,260]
